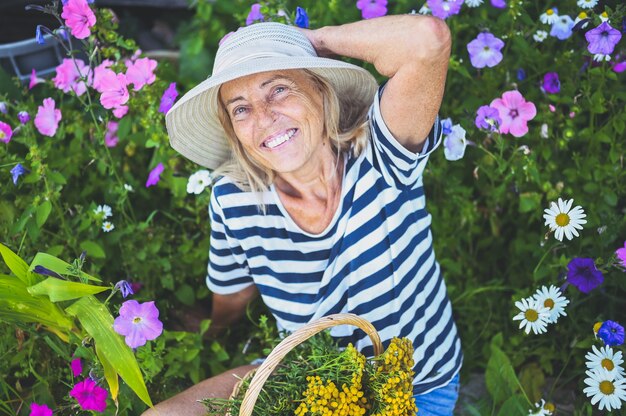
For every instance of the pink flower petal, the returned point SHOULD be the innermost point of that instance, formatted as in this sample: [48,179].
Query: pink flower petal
[78,17]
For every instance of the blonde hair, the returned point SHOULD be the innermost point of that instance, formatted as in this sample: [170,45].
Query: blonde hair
[249,175]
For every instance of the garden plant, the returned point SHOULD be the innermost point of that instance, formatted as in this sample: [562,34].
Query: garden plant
[104,227]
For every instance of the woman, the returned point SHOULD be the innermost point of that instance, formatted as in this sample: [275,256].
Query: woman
[319,206]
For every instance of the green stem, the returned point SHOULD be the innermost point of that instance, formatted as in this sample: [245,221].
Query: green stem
[556,245]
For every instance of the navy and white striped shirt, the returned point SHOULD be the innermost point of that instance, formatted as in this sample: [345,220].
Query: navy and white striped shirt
[375,259]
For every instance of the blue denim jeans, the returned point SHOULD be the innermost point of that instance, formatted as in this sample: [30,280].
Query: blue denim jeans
[439,402]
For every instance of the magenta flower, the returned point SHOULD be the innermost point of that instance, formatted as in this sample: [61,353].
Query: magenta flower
[47,118]
[114,90]
[120,111]
[78,17]
[39,410]
[68,76]
[89,395]
[168,98]
[34,79]
[138,322]
[602,39]
[621,254]
[619,67]
[155,175]
[445,8]
[77,367]
[485,50]
[6,132]
[254,15]
[141,72]
[515,112]
[487,118]
[98,72]
[110,137]
[551,83]
[372,8]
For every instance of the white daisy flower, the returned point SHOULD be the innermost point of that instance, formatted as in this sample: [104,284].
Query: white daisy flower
[563,219]
[605,388]
[542,409]
[107,226]
[473,3]
[598,57]
[198,181]
[533,316]
[540,36]
[550,16]
[605,358]
[587,4]
[105,210]
[553,299]
[581,16]
[604,17]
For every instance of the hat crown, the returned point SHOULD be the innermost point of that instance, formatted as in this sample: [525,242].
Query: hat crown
[258,41]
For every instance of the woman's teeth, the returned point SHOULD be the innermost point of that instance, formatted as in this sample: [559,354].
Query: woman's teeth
[280,139]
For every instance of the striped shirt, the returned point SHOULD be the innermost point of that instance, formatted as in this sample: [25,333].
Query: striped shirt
[375,259]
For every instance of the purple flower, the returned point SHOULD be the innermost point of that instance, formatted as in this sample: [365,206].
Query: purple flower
[521,74]
[562,27]
[302,19]
[372,8]
[551,83]
[500,4]
[602,39]
[254,15]
[611,333]
[138,322]
[155,175]
[446,125]
[168,98]
[23,117]
[39,410]
[89,395]
[77,367]
[18,171]
[582,273]
[488,118]
[621,254]
[3,107]
[46,272]
[485,50]
[39,35]
[125,288]
[444,8]
[6,132]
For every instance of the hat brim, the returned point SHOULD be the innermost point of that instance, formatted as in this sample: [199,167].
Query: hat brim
[193,125]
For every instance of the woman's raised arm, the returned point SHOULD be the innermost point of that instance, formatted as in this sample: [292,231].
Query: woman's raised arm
[412,51]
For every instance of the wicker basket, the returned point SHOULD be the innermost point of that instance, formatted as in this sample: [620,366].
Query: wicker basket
[298,337]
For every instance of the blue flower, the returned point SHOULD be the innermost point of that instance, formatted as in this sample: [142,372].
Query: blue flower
[302,19]
[46,272]
[125,288]
[611,333]
[562,27]
[18,171]
[521,74]
[446,125]
[39,35]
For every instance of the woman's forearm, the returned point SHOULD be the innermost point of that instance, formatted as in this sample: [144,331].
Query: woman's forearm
[388,42]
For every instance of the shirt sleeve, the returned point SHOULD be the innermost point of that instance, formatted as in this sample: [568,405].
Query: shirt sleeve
[399,166]
[228,270]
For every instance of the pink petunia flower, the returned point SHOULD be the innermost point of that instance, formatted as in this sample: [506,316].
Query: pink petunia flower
[141,72]
[34,79]
[47,118]
[76,366]
[621,254]
[114,90]
[39,410]
[120,111]
[138,323]
[89,395]
[372,8]
[79,17]
[514,112]
[6,132]
[110,137]
[68,76]
[98,72]
[155,175]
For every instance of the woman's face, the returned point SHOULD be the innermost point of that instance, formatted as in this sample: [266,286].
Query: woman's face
[278,118]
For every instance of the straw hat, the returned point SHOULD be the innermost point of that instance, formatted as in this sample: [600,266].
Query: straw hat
[192,123]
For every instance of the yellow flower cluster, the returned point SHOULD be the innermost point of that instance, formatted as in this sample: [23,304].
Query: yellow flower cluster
[325,399]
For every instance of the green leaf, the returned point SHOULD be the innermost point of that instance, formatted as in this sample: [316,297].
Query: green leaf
[42,213]
[109,374]
[532,380]
[18,266]
[56,177]
[529,201]
[57,265]
[59,290]
[500,377]
[124,127]
[514,406]
[98,322]
[93,249]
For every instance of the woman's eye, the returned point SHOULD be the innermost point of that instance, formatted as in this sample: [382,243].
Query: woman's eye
[239,110]
[278,90]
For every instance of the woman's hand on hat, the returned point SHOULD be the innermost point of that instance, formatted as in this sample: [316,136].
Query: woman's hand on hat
[316,40]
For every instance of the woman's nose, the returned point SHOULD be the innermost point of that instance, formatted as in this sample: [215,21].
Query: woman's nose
[266,114]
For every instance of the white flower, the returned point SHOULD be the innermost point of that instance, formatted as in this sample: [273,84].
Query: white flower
[604,17]
[455,143]
[561,219]
[542,409]
[581,16]
[540,35]
[605,388]
[424,9]
[544,131]
[128,187]
[587,4]
[198,181]
[107,226]
[605,358]
[550,16]
[105,210]
[533,316]
[598,57]
[473,3]
[553,299]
